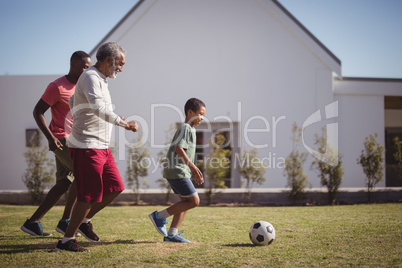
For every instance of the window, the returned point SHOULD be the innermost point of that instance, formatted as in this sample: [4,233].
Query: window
[32,137]
[392,176]
[221,135]
[199,155]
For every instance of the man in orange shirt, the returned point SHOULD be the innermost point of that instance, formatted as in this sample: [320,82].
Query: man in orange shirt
[56,97]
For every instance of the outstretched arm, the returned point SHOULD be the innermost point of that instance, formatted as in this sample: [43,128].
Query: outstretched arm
[132,125]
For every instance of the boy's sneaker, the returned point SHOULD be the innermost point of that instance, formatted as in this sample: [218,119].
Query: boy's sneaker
[70,245]
[177,239]
[158,223]
[34,228]
[86,230]
[62,227]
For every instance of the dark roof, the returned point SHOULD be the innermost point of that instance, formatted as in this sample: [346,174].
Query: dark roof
[370,79]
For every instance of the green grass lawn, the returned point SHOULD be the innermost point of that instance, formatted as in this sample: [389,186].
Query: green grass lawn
[323,236]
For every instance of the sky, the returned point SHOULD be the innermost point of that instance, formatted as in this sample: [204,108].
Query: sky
[38,37]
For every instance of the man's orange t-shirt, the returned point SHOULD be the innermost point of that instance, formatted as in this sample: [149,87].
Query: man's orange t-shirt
[57,95]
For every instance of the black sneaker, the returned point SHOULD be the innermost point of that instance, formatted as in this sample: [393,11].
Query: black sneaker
[62,227]
[86,230]
[70,245]
[34,228]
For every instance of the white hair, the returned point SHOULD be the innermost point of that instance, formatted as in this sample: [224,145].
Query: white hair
[111,49]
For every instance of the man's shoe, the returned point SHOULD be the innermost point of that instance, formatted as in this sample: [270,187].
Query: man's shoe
[34,228]
[86,230]
[158,223]
[70,245]
[62,227]
[177,239]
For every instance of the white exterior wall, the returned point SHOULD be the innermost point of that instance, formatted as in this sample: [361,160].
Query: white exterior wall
[359,116]
[247,66]
[18,95]
[236,56]
[361,113]
[244,59]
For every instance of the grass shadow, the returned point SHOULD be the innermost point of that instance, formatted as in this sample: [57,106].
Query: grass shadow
[28,246]
[13,249]
[26,237]
[124,242]
[240,245]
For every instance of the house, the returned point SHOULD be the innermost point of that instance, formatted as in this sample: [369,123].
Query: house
[257,68]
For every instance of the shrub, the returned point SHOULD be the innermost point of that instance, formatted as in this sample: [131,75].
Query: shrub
[251,168]
[217,166]
[296,178]
[40,169]
[371,160]
[398,156]
[163,183]
[137,167]
[329,166]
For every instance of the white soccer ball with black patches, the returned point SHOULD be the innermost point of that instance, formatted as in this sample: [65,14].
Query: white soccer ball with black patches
[262,233]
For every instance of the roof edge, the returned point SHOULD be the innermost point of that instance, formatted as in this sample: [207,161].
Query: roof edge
[93,51]
[293,18]
[369,79]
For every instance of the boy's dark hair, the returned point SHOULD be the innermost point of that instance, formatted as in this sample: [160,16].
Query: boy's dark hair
[194,105]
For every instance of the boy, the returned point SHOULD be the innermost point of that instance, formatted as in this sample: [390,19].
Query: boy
[179,169]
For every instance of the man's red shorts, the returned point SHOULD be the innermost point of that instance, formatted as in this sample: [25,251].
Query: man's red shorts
[95,173]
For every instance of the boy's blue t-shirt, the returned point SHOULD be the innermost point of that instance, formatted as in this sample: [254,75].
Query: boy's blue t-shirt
[185,138]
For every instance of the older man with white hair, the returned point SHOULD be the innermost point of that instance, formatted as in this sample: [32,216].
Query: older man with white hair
[97,177]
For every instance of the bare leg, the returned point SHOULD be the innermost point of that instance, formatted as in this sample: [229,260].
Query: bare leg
[84,210]
[51,199]
[179,210]
[80,211]
[106,200]
[178,219]
[70,202]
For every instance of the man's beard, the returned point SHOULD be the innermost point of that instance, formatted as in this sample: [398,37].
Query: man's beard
[112,71]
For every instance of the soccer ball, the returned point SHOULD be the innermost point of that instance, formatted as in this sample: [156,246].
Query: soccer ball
[262,233]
